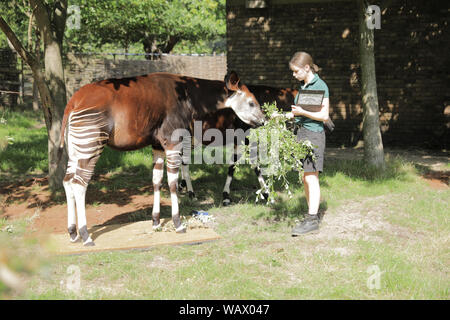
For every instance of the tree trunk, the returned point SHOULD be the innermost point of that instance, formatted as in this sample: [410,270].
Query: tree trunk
[373,144]
[150,46]
[54,73]
[171,42]
[35,97]
[51,21]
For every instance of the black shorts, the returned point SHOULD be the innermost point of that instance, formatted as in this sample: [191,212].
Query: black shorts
[317,139]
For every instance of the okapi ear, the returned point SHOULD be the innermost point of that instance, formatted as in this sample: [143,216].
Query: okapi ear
[232,81]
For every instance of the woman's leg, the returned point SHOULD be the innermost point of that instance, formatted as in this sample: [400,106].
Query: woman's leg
[305,186]
[312,191]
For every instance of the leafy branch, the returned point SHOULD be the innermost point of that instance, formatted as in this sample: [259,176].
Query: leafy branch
[275,150]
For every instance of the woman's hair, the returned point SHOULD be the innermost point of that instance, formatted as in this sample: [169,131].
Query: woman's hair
[301,59]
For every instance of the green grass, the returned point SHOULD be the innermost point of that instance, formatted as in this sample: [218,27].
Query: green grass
[256,257]
[23,148]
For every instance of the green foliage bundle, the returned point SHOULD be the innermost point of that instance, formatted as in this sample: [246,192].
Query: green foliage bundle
[275,150]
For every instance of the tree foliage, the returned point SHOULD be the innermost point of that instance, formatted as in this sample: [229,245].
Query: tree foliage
[157,25]
[16,13]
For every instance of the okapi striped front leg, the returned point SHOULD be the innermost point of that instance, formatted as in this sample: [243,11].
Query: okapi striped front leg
[185,176]
[226,189]
[226,199]
[186,181]
[86,138]
[173,163]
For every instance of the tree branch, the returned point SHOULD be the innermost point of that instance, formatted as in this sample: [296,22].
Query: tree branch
[31,60]
[26,56]
[30,27]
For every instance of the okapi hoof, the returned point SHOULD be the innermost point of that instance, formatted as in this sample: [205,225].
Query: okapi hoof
[182,185]
[156,224]
[192,195]
[87,241]
[181,229]
[226,199]
[74,237]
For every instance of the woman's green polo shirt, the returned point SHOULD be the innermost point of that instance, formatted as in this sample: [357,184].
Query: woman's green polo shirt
[315,84]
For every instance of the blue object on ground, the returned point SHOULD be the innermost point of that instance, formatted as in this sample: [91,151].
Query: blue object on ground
[199,213]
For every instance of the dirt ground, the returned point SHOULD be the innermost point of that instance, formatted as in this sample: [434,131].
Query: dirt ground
[31,198]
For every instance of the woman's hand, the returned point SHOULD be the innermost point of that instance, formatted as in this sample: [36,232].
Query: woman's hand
[297,110]
[322,115]
[288,115]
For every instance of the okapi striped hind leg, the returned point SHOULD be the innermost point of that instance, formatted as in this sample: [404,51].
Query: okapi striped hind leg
[71,215]
[86,138]
[158,172]
[173,164]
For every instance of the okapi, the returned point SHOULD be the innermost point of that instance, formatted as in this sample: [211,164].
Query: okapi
[131,113]
[227,119]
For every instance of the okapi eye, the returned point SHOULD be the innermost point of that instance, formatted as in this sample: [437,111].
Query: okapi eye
[252,104]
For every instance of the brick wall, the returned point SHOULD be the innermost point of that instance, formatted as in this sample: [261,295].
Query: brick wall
[411,52]
[83,69]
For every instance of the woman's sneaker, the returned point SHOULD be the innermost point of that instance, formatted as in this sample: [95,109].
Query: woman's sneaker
[308,225]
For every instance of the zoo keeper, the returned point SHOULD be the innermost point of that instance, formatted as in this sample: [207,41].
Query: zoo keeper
[310,127]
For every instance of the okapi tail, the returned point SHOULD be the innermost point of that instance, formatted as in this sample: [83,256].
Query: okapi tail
[67,111]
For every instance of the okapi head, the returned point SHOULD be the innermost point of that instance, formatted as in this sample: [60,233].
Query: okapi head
[243,102]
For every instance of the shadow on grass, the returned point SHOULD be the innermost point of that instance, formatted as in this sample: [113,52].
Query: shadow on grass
[208,182]
[284,210]
[24,156]
[33,189]
[427,173]
[130,178]
[243,188]
[246,183]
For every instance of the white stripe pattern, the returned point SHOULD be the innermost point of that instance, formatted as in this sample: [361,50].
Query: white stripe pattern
[86,139]
[173,159]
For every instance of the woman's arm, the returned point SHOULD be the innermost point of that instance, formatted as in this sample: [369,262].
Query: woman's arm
[322,115]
